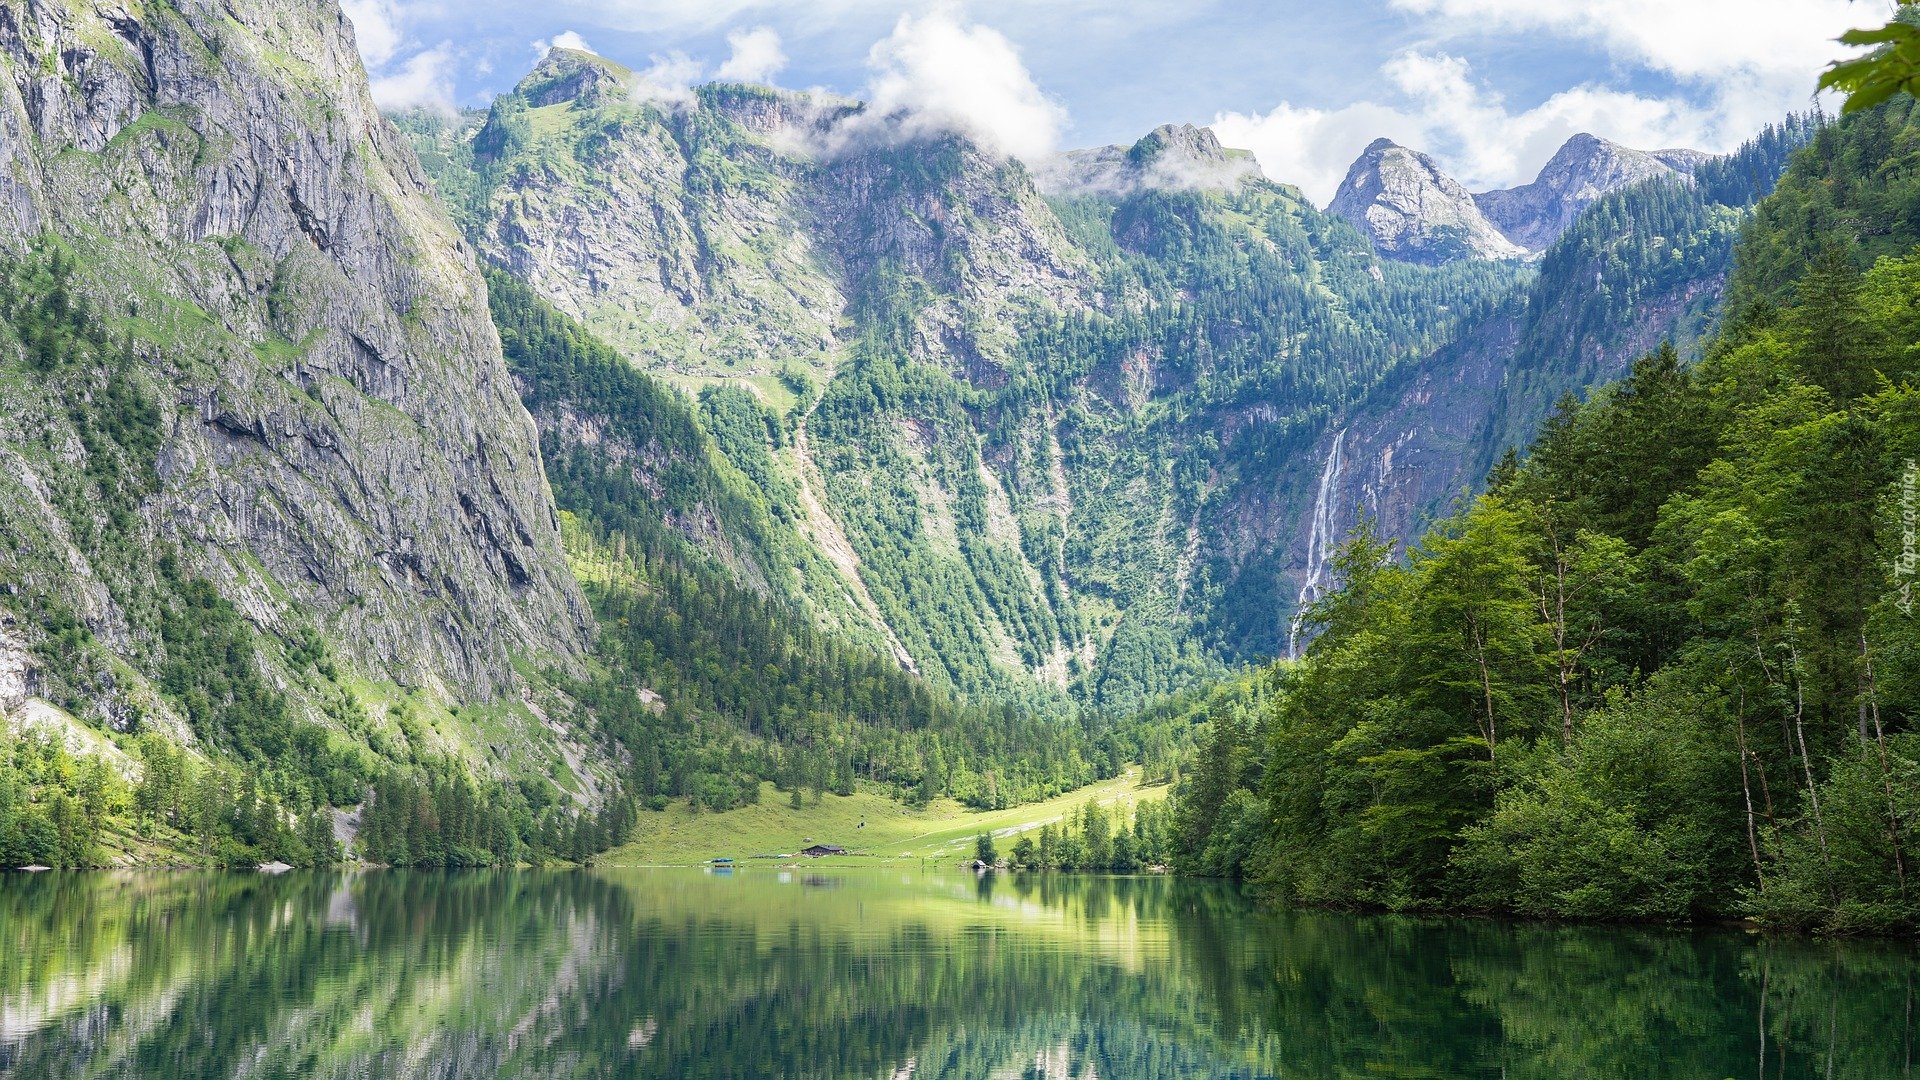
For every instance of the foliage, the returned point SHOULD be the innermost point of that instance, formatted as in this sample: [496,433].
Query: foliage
[1892,68]
[1659,670]
[1094,839]
[742,686]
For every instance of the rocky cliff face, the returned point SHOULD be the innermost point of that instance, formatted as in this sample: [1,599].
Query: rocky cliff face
[1414,212]
[751,220]
[1071,429]
[335,443]
[728,280]
[1584,169]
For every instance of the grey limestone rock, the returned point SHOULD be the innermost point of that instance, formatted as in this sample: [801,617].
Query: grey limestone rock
[1414,212]
[342,444]
[1583,170]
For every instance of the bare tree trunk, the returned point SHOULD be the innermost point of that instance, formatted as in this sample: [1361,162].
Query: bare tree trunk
[1871,705]
[1806,759]
[1486,682]
[1746,789]
[1554,614]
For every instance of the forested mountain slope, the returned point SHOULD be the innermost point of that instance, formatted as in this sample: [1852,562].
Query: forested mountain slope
[715,684]
[1034,436]
[1644,265]
[1664,668]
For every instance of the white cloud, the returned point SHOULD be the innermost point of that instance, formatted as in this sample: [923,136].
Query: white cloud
[1688,39]
[1726,68]
[376,28]
[670,80]
[757,56]
[1437,106]
[565,39]
[676,16]
[935,75]
[424,81]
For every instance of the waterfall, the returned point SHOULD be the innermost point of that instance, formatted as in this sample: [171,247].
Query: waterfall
[1319,540]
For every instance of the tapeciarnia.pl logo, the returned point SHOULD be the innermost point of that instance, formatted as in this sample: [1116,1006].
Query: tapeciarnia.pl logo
[1905,565]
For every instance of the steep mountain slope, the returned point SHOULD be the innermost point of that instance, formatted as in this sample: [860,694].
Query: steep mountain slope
[750,221]
[1643,265]
[263,463]
[1412,211]
[1579,173]
[990,422]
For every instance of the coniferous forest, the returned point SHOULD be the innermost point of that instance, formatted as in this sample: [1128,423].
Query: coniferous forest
[1662,668]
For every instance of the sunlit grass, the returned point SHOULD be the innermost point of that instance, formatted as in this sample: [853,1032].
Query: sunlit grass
[870,826]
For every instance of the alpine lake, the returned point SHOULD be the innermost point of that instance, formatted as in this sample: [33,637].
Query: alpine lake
[822,971]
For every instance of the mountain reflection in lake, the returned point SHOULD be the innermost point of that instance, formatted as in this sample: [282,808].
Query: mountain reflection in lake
[891,974]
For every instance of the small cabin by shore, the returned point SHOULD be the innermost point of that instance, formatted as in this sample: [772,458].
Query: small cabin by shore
[821,850]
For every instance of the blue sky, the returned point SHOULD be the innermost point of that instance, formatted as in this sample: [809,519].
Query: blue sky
[1490,87]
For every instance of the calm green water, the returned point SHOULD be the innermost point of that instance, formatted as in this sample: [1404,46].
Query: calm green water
[665,973]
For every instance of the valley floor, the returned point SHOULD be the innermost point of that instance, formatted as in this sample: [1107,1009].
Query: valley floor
[871,827]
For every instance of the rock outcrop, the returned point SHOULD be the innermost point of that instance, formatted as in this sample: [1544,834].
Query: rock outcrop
[1414,212]
[1585,168]
[340,448]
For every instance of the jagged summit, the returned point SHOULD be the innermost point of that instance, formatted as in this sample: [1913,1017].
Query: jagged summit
[1170,157]
[1585,168]
[1414,212]
[565,75]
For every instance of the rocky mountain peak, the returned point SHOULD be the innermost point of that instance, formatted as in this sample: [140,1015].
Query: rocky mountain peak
[1414,212]
[1585,168]
[1179,157]
[565,75]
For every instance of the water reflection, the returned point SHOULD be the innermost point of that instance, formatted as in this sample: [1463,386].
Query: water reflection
[883,974]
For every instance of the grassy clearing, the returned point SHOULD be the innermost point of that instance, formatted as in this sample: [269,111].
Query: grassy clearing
[771,390]
[944,831]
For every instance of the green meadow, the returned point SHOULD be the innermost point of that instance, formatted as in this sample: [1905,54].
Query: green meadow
[869,826]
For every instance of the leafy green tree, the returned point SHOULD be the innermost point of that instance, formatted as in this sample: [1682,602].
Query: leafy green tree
[1892,67]
[984,850]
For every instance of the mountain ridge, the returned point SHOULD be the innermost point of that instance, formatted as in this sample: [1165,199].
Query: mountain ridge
[1412,210]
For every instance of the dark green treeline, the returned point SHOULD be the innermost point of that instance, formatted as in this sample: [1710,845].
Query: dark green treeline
[1666,667]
